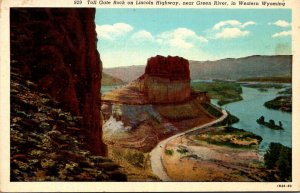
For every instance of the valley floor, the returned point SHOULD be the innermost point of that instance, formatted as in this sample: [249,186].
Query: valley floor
[133,127]
[195,160]
[131,137]
[158,142]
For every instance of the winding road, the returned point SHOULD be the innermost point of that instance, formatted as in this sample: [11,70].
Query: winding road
[155,155]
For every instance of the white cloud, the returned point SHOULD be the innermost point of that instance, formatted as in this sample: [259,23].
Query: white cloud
[224,23]
[180,38]
[248,23]
[281,23]
[111,32]
[229,29]
[142,35]
[230,33]
[234,23]
[282,34]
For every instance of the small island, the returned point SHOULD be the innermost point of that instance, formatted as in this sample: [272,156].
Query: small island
[283,103]
[271,124]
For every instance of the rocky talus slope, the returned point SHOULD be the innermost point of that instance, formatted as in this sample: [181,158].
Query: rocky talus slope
[47,142]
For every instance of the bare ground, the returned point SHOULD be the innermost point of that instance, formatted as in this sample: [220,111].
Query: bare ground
[206,162]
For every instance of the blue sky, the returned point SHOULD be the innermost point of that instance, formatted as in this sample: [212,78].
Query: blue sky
[130,36]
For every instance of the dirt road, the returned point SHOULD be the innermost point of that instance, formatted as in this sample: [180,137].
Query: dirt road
[156,154]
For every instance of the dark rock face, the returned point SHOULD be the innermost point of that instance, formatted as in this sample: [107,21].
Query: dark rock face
[166,80]
[56,49]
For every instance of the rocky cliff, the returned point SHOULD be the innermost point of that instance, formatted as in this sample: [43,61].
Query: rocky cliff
[56,49]
[166,80]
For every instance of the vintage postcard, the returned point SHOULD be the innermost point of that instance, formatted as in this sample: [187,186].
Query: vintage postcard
[149,95]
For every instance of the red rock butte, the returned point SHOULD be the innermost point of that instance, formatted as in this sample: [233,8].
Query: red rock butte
[172,68]
[166,80]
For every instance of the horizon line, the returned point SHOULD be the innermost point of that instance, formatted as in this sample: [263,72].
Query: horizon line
[206,60]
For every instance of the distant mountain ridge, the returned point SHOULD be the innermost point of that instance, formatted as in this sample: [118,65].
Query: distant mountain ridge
[228,68]
[126,73]
[108,80]
[251,66]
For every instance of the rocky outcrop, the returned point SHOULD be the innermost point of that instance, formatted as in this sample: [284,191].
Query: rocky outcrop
[56,49]
[47,143]
[166,80]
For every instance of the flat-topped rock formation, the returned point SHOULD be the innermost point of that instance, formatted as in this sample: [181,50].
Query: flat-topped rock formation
[166,80]
[172,68]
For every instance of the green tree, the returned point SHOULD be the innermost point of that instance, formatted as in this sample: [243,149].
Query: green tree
[272,122]
[284,163]
[279,158]
[261,119]
[271,156]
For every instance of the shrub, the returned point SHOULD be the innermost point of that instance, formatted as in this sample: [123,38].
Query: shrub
[212,110]
[168,152]
[229,120]
[182,150]
[272,122]
[135,158]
